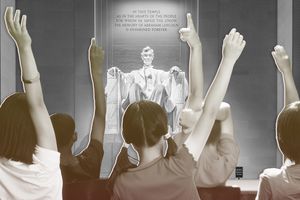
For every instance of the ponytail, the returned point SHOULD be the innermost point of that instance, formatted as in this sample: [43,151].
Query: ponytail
[122,165]
[172,147]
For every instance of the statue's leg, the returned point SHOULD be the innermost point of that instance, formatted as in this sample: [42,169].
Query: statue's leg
[135,94]
[160,96]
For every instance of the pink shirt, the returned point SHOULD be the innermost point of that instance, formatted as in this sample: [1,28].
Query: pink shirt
[280,184]
[162,178]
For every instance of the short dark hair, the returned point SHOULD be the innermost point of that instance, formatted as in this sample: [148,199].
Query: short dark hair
[17,134]
[64,128]
[288,131]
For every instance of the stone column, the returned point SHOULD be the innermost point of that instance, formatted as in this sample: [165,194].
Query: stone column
[8,56]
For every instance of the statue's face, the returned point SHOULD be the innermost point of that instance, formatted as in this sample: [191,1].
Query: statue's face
[147,58]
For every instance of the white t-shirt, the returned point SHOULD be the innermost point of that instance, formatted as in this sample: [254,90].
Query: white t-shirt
[280,184]
[40,180]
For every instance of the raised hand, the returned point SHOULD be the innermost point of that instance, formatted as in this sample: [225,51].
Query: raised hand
[189,33]
[187,119]
[96,57]
[284,65]
[281,59]
[31,79]
[233,45]
[17,30]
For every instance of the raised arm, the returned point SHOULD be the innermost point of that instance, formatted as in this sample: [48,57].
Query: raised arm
[285,67]
[30,77]
[189,118]
[96,56]
[233,46]
[220,155]
[189,35]
[224,116]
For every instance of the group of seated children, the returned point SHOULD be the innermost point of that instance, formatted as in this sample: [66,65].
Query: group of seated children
[36,148]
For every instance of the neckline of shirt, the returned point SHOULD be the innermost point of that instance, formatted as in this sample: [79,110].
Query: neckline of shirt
[147,165]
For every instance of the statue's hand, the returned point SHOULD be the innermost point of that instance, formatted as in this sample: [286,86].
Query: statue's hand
[175,72]
[114,71]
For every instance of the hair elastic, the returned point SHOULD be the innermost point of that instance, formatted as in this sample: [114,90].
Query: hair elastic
[167,136]
[34,79]
[125,145]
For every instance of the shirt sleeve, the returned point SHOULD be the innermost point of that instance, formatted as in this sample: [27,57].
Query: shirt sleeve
[48,158]
[227,147]
[90,159]
[217,162]
[264,189]
[182,163]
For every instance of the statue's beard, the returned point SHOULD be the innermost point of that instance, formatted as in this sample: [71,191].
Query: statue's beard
[147,62]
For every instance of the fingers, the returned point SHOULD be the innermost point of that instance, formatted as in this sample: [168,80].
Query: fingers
[184,33]
[8,16]
[17,16]
[24,23]
[190,23]
[94,50]
[94,45]
[243,44]
[225,39]
[13,22]
[274,55]
[231,34]
[279,53]
[184,30]
[93,41]
[183,125]
[240,39]
[235,37]
[280,50]
[17,20]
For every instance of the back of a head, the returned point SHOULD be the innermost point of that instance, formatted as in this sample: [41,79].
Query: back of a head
[17,134]
[144,123]
[64,128]
[288,131]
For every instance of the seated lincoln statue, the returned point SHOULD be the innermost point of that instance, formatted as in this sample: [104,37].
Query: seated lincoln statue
[148,83]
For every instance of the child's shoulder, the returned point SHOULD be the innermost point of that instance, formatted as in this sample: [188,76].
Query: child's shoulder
[271,172]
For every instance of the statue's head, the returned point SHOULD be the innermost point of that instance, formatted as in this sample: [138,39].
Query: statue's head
[147,55]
